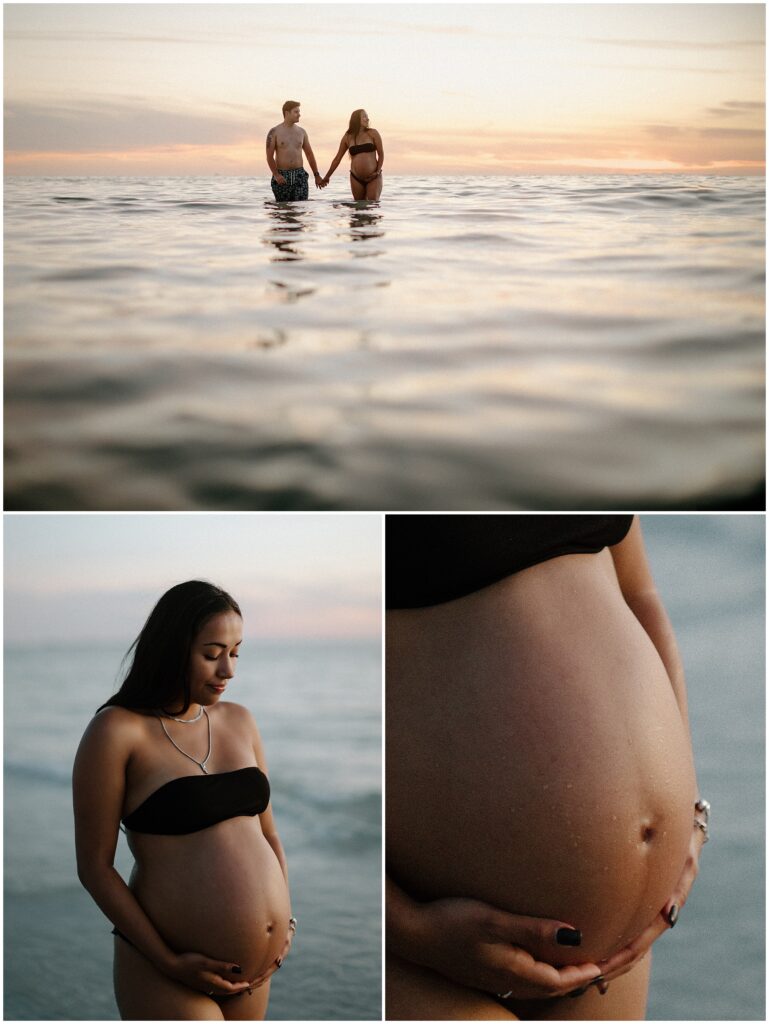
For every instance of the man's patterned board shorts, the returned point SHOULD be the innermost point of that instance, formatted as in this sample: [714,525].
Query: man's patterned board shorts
[295,187]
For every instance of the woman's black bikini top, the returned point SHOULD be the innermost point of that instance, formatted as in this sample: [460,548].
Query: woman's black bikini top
[432,559]
[194,802]
[365,147]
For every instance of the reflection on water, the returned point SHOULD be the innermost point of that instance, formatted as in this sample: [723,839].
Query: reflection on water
[289,221]
[364,220]
[462,343]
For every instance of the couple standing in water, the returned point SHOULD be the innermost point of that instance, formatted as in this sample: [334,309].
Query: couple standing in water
[287,141]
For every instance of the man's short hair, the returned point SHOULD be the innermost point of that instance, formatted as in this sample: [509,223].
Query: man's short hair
[290,104]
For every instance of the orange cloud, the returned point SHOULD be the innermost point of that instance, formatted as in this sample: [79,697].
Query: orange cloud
[663,148]
[235,159]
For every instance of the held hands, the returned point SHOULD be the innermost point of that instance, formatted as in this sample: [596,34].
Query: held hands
[477,945]
[214,977]
[320,182]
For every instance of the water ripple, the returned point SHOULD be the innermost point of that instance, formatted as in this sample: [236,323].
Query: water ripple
[465,342]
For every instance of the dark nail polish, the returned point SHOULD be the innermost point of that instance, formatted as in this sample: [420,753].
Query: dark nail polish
[578,992]
[598,980]
[568,937]
[673,915]
[236,970]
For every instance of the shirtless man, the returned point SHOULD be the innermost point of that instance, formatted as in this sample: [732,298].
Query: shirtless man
[285,143]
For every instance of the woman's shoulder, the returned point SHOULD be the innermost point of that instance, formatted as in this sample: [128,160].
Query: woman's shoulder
[233,712]
[237,717]
[114,722]
[111,735]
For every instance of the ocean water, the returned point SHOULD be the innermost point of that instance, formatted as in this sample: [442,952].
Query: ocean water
[465,343]
[319,711]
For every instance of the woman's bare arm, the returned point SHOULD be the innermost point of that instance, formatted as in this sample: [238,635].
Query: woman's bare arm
[339,154]
[266,819]
[98,782]
[379,152]
[641,595]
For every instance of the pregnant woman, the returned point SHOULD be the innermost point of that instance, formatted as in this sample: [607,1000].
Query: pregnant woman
[367,157]
[543,820]
[206,916]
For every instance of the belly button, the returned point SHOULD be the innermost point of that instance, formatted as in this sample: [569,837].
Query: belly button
[270,926]
[648,833]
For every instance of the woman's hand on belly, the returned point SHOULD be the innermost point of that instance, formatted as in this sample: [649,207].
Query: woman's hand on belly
[206,975]
[277,963]
[482,947]
[626,959]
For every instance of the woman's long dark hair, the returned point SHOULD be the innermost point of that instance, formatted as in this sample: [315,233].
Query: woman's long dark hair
[159,670]
[355,123]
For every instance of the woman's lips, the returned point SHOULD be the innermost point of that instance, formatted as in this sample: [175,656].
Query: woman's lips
[217,687]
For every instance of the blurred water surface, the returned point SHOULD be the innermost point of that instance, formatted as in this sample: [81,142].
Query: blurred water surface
[466,343]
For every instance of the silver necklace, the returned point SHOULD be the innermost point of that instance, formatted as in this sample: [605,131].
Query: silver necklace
[185,721]
[201,764]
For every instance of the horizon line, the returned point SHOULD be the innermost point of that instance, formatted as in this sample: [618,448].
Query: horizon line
[746,173]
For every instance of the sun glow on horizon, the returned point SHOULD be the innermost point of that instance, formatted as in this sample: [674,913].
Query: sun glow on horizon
[454,89]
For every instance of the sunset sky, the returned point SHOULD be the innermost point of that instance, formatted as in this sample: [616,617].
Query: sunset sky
[453,89]
[75,578]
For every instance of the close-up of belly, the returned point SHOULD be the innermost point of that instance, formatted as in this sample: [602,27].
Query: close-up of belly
[536,756]
[219,891]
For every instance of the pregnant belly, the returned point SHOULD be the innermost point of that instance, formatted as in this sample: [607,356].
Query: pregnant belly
[536,756]
[220,892]
[363,164]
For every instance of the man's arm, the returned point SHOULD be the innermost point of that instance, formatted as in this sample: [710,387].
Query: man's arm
[311,158]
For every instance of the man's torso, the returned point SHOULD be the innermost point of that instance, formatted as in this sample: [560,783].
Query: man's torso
[288,146]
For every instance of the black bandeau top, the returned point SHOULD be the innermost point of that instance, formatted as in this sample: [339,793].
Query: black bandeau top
[365,147]
[431,559]
[194,802]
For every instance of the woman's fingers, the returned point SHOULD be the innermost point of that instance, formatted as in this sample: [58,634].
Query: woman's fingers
[624,960]
[219,974]
[542,980]
[266,975]
[536,934]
